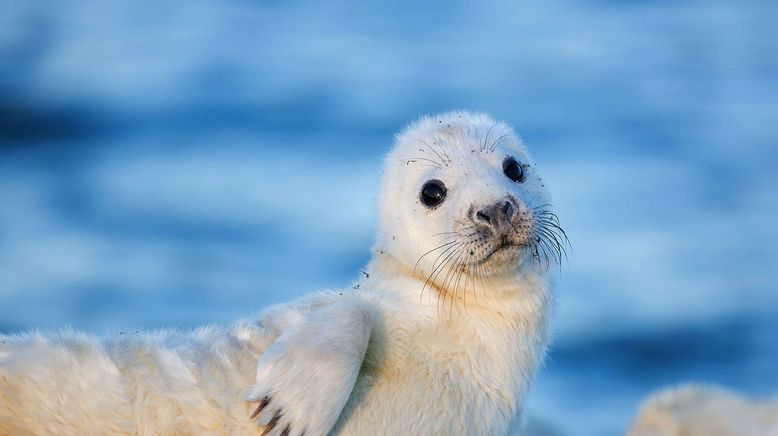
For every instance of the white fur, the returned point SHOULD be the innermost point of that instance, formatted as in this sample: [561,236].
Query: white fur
[410,352]
[698,410]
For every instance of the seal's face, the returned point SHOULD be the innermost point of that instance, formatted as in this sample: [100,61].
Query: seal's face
[461,197]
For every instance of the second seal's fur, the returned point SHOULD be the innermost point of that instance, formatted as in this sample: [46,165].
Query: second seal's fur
[442,336]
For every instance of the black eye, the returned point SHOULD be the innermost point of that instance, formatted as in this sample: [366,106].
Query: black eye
[513,170]
[433,193]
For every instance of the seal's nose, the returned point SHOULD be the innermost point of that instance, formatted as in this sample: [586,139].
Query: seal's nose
[496,216]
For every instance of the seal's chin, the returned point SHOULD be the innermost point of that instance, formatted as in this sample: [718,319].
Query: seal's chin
[506,254]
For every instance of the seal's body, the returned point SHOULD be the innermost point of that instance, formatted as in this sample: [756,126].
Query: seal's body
[146,383]
[436,370]
[442,335]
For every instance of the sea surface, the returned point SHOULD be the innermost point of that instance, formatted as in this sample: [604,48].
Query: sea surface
[172,163]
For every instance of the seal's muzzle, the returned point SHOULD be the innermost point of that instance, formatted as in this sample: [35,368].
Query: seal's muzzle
[497,217]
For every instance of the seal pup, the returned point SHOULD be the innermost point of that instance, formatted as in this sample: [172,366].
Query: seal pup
[442,335]
[704,410]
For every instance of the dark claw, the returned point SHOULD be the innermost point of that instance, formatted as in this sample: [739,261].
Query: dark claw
[272,424]
[285,432]
[262,404]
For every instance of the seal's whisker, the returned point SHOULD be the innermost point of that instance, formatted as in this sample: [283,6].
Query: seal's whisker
[486,138]
[453,247]
[436,270]
[534,251]
[464,286]
[435,265]
[556,236]
[532,200]
[497,142]
[551,239]
[431,251]
[544,250]
[468,276]
[451,270]
[454,270]
[431,162]
[473,272]
[545,208]
[549,220]
[545,240]
[540,250]
[553,252]
[548,215]
[450,274]
[443,289]
[453,236]
[458,268]
[445,233]
[447,253]
[558,233]
[445,158]
[481,274]
[442,150]
[560,245]
[546,205]
[442,160]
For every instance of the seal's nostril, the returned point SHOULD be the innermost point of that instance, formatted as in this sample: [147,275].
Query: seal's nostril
[497,215]
[507,209]
[483,217]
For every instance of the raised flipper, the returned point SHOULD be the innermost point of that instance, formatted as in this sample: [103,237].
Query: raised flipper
[306,376]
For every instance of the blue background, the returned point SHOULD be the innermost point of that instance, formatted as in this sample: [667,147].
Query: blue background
[182,162]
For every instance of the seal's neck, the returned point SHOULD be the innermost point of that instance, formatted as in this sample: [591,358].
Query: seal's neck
[497,323]
[522,289]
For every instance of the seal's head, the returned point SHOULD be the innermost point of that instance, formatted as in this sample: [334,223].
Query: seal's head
[460,193]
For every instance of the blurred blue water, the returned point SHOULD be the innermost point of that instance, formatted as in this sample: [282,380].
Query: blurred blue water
[174,163]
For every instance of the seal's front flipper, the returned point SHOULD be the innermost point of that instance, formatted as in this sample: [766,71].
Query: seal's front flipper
[306,376]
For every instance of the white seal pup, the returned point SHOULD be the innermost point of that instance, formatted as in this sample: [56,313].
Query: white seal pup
[704,410]
[443,334]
